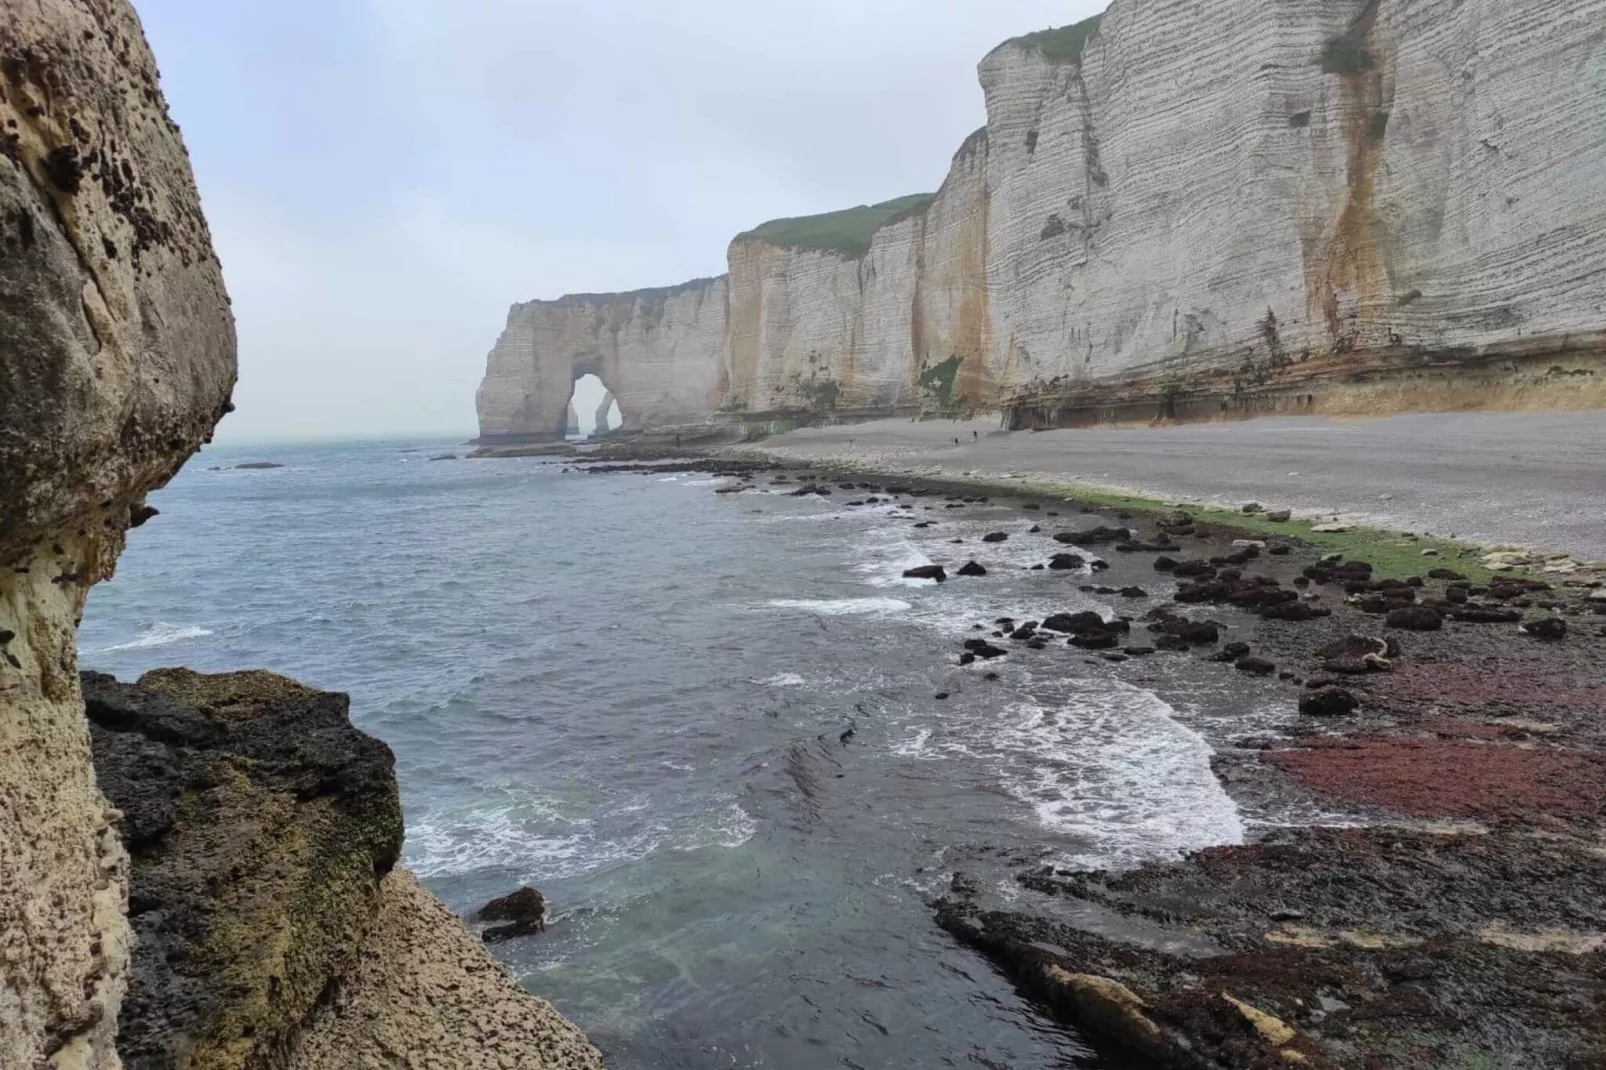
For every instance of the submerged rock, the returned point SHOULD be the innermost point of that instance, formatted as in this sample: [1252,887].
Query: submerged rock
[926,572]
[524,910]
[1255,665]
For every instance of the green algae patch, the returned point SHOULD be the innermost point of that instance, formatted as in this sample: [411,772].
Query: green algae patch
[1392,554]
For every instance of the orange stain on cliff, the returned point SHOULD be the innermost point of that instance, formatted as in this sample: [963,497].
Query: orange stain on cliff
[1348,261]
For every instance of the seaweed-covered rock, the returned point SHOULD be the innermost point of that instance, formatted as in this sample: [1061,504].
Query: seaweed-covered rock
[260,822]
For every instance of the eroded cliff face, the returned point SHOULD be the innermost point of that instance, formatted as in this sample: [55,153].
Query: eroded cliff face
[653,349]
[116,360]
[1220,209]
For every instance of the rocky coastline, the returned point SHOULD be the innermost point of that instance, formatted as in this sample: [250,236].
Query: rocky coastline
[1445,724]
[272,925]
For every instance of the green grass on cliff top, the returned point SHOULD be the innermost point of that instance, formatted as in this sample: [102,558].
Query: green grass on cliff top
[1064,43]
[847,232]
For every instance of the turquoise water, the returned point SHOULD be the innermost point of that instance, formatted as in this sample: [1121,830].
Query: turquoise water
[704,725]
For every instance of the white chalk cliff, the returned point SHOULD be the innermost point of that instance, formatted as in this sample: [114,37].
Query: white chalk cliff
[1174,210]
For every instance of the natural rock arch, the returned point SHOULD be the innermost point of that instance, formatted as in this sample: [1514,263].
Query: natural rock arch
[656,351]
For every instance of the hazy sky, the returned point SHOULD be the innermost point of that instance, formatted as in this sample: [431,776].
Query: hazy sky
[384,177]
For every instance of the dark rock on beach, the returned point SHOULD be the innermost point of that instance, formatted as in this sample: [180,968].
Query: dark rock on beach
[926,572]
[1327,702]
[1094,537]
[1072,622]
[1546,628]
[1415,619]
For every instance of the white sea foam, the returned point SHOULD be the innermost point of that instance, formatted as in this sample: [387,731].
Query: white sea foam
[1109,765]
[783,679]
[891,561]
[159,634]
[915,746]
[841,607]
[516,829]
[729,827]
[1114,766]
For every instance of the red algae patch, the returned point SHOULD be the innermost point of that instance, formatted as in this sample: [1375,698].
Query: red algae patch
[1460,683]
[1452,777]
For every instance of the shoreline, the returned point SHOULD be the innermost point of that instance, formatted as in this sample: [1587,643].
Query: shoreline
[1462,913]
[1516,479]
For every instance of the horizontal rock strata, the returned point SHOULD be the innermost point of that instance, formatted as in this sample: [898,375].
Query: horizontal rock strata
[1217,210]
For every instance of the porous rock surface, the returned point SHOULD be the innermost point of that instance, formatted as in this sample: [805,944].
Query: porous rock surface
[424,986]
[117,357]
[1201,210]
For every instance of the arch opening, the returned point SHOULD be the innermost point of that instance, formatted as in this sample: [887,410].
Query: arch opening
[592,409]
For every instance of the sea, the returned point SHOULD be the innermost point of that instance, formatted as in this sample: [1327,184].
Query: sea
[723,734]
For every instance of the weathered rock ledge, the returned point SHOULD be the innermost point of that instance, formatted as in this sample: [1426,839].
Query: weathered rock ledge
[272,929]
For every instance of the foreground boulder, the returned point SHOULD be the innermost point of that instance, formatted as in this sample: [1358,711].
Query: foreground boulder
[523,910]
[264,830]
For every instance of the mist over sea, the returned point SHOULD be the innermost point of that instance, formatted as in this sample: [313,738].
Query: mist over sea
[706,726]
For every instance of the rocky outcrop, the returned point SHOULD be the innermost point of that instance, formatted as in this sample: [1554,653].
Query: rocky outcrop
[273,930]
[424,985]
[259,822]
[604,411]
[116,360]
[1327,205]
